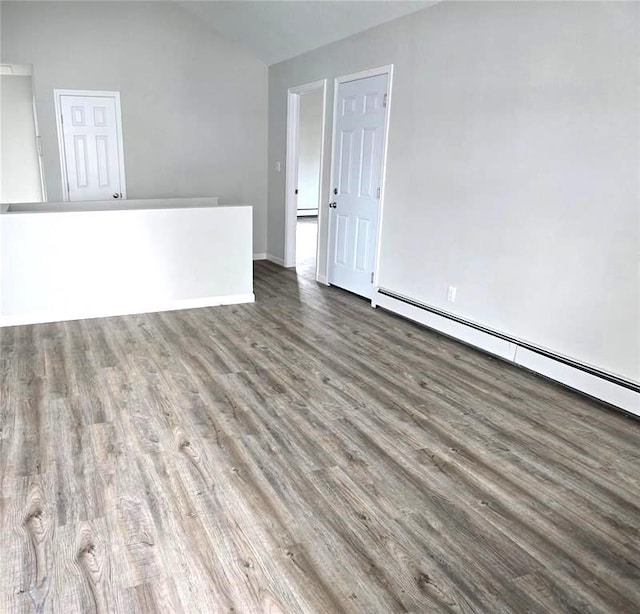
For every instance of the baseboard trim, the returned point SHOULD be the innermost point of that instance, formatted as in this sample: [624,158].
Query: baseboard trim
[275,259]
[604,387]
[586,383]
[260,256]
[322,279]
[193,303]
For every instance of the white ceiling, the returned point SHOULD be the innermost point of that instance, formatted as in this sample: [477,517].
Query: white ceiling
[276,30]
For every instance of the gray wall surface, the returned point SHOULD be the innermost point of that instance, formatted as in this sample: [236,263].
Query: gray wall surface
[20,170]
[194,106]
[512,168]
[310,142]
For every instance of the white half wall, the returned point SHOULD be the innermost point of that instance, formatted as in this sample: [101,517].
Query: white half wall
[76,264]
[512,170]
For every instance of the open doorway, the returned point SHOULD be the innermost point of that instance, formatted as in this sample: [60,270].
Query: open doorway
[309,153]
[305,151]
[20,147]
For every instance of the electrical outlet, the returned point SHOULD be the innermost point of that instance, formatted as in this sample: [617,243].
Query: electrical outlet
[451,294]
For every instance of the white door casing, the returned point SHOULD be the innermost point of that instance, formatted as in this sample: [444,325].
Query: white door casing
[91,151]
[357,172]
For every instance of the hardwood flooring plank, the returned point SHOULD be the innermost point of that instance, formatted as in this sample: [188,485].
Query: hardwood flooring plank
[303,454]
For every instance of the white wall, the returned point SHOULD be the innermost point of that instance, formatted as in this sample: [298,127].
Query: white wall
[310,141]
[512,167]
[194,106]
[76,264]
[20,168]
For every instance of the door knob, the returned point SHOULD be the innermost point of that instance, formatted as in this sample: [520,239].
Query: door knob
[116,195]
[333,205]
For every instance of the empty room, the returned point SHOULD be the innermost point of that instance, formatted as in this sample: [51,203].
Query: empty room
[319,306]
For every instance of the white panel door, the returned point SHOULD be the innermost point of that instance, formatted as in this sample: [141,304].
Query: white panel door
[357,175]
[90,136]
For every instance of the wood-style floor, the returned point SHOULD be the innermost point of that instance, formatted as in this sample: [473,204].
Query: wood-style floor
[303,454]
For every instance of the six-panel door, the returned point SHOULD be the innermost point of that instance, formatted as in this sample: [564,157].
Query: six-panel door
[91,147]
[357,175]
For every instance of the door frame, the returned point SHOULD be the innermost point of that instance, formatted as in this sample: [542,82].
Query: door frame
[57,94]
[43,181]
[364,74]
[291,167]
[26,70]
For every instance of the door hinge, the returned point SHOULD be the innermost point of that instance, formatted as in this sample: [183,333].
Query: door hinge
[61,118]
[68,188]
[378,194]
[384,100]
[371,277]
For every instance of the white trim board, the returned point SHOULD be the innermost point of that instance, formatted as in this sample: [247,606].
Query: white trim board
[270,257]
[191,303]
[277,260]
[586,383]
[16,70]
[574,378]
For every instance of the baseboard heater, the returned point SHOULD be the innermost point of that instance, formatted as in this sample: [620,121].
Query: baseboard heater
[617,391]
